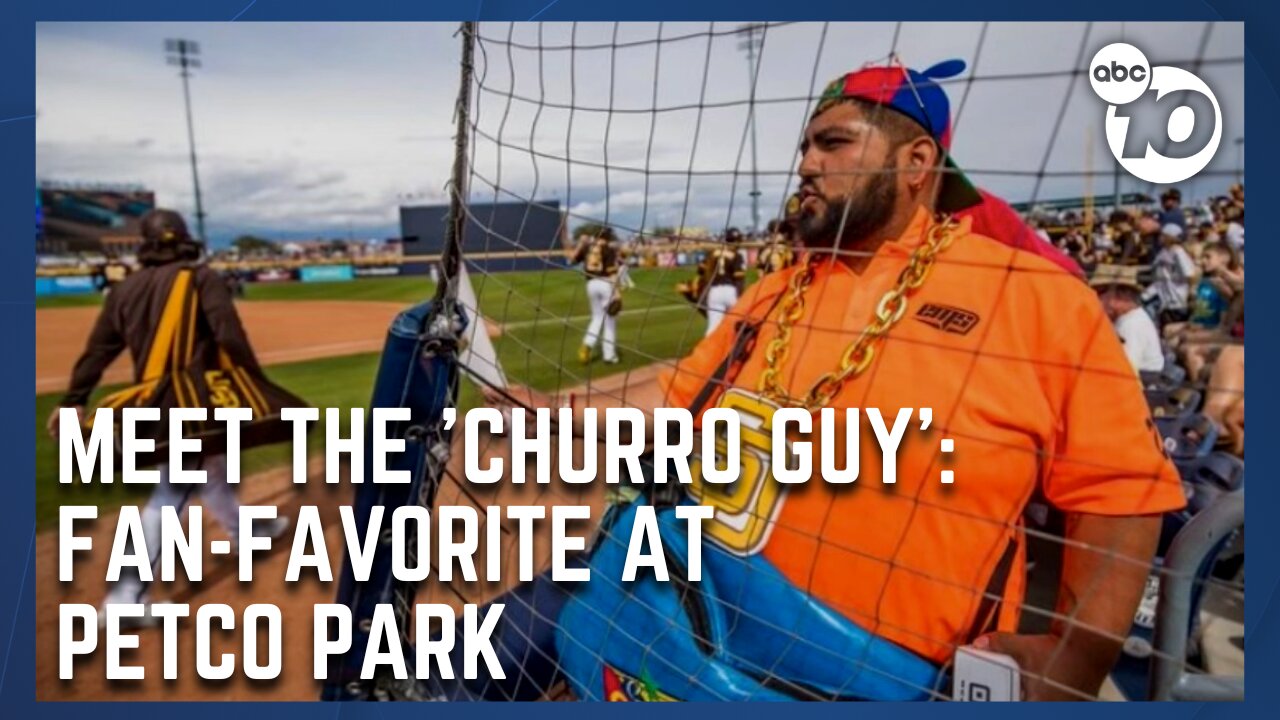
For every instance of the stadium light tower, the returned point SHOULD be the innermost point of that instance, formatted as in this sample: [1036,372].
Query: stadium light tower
[751,41]
[184,54]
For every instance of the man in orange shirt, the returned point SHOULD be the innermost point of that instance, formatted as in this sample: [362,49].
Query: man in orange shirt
[896,305]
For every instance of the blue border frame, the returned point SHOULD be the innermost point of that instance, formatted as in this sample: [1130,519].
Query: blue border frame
[17,147]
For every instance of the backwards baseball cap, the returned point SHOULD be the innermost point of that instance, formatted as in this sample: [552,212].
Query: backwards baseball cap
[916,95]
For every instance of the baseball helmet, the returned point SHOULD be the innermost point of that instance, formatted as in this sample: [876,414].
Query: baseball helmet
[164,226]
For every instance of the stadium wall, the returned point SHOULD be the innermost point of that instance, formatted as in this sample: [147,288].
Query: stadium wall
[497,237]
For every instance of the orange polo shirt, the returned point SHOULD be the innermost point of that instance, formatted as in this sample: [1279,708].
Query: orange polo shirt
[1022,370]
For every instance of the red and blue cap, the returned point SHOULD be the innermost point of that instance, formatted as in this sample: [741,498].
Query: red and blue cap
[918,96]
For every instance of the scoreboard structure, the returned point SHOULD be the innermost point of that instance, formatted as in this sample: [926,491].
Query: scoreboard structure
[496,237]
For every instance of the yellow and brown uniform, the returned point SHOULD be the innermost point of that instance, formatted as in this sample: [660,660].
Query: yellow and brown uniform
[724,266]
[775,256]
[114,273]
[132,316]
[599,258]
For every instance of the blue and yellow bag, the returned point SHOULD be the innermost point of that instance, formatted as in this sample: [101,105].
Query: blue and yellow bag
[744,632]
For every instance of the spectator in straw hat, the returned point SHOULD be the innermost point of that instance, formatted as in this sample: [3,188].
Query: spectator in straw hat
[1120,293]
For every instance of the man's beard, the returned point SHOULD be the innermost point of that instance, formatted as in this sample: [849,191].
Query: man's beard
[857,218]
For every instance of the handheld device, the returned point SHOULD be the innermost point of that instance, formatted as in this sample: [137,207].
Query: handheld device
[984,676]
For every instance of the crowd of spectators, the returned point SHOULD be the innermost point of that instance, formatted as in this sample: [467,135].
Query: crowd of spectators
[1171,279]
[239,263]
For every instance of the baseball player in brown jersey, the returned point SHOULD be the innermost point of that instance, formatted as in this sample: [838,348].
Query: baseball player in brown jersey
[176,318]
[724,272]
[601,263]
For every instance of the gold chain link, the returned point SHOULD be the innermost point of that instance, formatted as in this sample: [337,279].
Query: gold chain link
[859,355]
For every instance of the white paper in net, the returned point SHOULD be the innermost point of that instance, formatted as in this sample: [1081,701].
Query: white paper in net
[479,358]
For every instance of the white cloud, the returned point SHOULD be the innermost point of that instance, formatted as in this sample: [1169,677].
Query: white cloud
[328,127]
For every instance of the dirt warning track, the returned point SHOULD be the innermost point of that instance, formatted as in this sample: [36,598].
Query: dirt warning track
[281,331]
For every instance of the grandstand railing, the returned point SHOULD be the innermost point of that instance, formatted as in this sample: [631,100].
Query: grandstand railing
[1194,545]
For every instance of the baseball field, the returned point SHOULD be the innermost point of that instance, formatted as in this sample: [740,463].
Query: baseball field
[320,340]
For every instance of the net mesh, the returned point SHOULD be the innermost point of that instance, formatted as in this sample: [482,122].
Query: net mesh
[669,134]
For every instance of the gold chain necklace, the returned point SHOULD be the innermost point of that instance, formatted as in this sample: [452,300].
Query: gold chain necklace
[858,356]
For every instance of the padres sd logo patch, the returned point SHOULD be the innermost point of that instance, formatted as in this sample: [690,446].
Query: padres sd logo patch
[947,318]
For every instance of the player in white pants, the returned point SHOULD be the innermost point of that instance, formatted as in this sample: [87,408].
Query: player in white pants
[133,318]
[725,272]
[217,497]
[600,262]
[720,298]
[599,293]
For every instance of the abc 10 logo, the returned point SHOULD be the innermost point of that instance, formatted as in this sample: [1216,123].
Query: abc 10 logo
[1192,118]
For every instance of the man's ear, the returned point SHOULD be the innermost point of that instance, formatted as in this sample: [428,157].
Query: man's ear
[917,160]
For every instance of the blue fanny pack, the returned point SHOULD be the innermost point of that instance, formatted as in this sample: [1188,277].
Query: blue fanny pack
[744,632]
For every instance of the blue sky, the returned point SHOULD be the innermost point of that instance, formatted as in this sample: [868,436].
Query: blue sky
[309,129]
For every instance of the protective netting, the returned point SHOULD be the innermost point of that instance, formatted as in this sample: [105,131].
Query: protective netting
[664,137]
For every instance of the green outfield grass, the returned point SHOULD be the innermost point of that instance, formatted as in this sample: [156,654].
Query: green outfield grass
[544,354]
[544,316]
[407,290]
[331,382]
[342,382]
[509,294]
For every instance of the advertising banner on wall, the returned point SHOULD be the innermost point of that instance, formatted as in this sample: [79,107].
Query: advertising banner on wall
[377,270]
[67,285]
[325,273]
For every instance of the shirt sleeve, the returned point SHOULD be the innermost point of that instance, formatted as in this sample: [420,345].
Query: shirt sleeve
[1106,458]
[1133,346]
[1185,264]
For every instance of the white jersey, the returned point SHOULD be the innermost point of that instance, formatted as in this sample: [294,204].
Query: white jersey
[1173,269]
[1141,340]
[1235,235]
